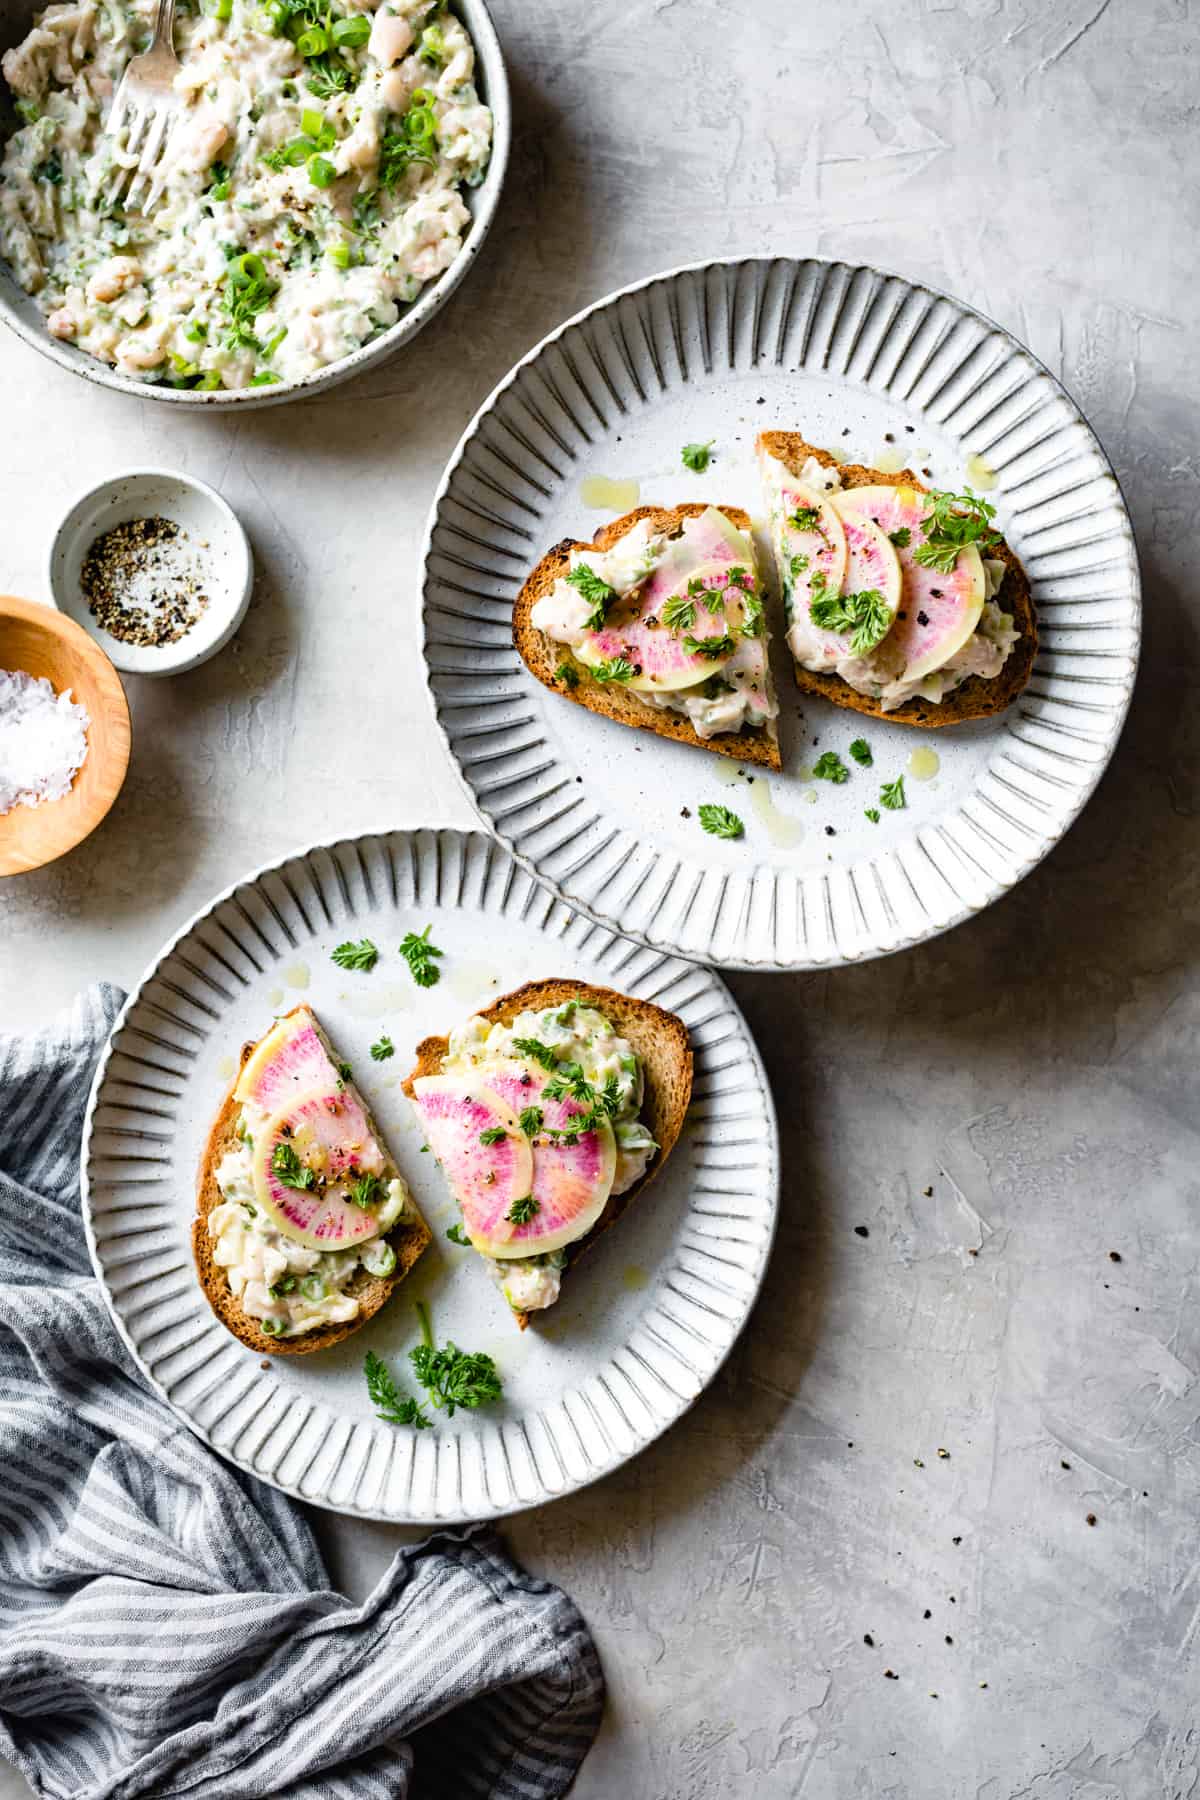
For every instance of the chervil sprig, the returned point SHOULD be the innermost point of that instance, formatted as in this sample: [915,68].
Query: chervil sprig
[952,522]
[419,954]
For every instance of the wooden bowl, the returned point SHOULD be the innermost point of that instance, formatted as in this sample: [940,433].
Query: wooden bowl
[44,642]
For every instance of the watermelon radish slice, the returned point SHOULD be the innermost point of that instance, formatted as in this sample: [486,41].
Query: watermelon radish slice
[572,1179]
[938,613]
[325,1136]
[805,551]
[707,550]
[871,563]
[290,1062]
[457,1111]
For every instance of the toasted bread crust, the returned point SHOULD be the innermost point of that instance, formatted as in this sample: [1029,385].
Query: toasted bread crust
[977,698]
[408,1238]
[661,1041]
[542,656]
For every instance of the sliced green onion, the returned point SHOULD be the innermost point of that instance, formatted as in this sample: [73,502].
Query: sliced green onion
[312,122]
[313,42]
[272,344]
[196,333]
[321,172]
[220,189]
[351,33]
[312,1287]
[381,1259]
[273,1327]
[182,366]
[339,255]
[218,9]
[421,97]
[248,268]
[264,378]
[208,385]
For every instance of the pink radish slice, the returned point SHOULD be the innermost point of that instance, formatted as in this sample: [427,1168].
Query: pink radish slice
[805,552]
[937,612]
[572,1179]
[458,1111]
[329,1136]
[708,549]
[291,1061]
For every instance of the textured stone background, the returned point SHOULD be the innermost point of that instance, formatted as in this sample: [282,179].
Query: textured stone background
[1035,1069]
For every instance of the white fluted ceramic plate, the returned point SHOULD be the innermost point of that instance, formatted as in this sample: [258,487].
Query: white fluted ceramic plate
[872,366]
[645,1319]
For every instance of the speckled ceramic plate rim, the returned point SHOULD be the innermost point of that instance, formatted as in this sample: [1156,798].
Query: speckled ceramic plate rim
[747,1300]
[491,58]
[1119,712]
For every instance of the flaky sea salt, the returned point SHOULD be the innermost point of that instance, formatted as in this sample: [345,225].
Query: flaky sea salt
[42,742]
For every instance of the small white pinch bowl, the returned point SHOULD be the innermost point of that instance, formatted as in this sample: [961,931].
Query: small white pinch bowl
[214,531]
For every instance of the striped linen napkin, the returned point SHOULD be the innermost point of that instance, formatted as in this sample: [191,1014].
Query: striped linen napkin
[166,1625]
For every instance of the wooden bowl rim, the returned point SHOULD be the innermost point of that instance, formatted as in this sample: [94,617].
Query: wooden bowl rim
[118,742]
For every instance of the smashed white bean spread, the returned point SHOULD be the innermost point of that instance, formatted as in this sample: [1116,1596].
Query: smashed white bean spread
[274,1278]
[579,1034]
[314,182]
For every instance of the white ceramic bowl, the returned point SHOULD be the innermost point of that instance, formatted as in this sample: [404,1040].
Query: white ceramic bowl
[215,534]
[18,311]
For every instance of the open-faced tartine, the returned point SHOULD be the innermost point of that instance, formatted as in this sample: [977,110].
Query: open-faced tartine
[901,601]
[658,623]
[303,1225]
[549,1112]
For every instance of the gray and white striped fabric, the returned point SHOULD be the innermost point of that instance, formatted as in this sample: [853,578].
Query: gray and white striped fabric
[166,1625]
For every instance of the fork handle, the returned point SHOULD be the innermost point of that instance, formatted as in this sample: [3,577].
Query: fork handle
[164,26]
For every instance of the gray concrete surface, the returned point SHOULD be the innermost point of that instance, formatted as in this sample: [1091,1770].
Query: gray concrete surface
[1006,1112]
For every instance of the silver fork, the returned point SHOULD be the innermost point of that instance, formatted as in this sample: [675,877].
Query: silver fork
[146,109]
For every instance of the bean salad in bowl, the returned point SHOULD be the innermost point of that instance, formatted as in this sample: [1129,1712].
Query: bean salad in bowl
[319,184]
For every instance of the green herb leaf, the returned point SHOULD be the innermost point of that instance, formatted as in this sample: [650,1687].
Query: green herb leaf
[754,619]
[891,794]
[286,1164]
[697,456]
[362,955]
[494,1134]
[866,616]
[419,954]
[383,1049]
[568,674]
[679,613]
[413,140]
[457,1235]
[718,821]
[366,1191]
[393,1407]
[952,522]
[598,594]
[530,1120]
[453,1377]
[901,538]
[568,1078]
[710,647]
[830,767]
[345,1071]
[521,1211]
[617,668]
[860,750]
[536,1051]
[805,518]
[872,814]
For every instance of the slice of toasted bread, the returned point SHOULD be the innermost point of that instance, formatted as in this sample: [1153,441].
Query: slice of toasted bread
[542,656]
[659,1039]
[408,1238]
[977,698]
